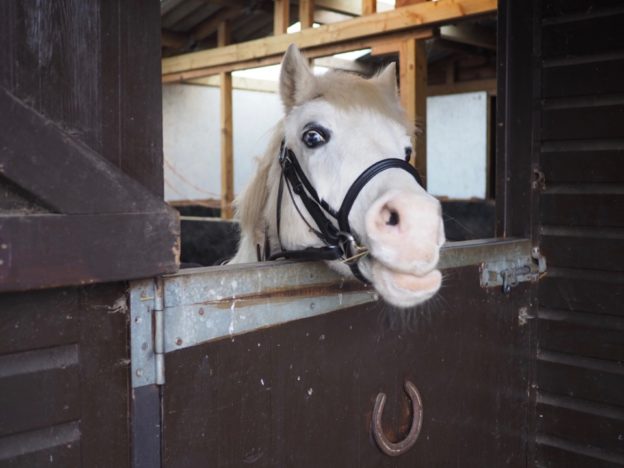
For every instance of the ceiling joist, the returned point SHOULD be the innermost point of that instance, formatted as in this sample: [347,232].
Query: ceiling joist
[413,17]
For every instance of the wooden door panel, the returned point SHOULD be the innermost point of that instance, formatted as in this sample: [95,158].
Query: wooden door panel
[302,394]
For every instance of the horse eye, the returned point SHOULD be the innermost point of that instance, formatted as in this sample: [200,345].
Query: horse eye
[314,137]
[408,153]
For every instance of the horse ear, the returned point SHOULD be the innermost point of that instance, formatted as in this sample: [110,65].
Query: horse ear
[387,79]
[296,78]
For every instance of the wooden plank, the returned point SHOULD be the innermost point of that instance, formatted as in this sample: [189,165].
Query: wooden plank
[212,24]
[369,7]
[48,380]
[592,166]
[38,155]
[306,13]
[413,92]
[514,162]
[587,335]
[582,291]
[598,35]
[301,394]
[104,375]
[408,18]
[129,89]
[227,155]
[583,208]
[227,137]
[281,16]
[594,251]
[27,324]
[487,85]
[314,52]
[70,402]
[583,122]
[583,381]
[55,446]
[585,425]
[554,453]
[598,78]
[559,8]
[103,248]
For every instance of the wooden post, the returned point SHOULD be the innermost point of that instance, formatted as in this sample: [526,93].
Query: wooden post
[227,144]
[306,13]
[369,7]
[413,89]
[281,17]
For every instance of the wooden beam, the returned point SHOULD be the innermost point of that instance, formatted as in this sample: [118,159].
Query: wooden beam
[469,34]
[413,90]
[369,7]
[306,13]
[212,23]
[402,3]
[327,17]
[487,85]
[310,53]
[409,18]
[350,7]
[227,143]
[281,16]
[37,155]
[52,250]
[238,82]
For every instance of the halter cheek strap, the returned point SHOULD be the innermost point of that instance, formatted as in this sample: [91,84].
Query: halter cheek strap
[340,242]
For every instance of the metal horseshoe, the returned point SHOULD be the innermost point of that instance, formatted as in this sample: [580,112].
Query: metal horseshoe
[398,448]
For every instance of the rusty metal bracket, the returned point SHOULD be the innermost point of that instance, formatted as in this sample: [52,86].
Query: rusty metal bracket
[395,449]
[509,272]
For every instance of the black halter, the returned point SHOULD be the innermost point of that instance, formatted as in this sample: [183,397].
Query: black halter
[340,242]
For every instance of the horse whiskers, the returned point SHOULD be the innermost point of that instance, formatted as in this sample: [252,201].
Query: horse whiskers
[357,256]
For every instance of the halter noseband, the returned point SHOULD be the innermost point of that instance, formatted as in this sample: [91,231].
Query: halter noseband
[340,242]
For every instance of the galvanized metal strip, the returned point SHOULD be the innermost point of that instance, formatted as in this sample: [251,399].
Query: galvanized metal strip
[210,305]
[206,304]
[143,362]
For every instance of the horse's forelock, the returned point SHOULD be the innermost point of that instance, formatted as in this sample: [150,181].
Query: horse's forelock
[348,91]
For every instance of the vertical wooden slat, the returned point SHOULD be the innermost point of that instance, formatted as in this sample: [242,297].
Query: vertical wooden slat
[281,17]
[306,13]
[227,144]
[413,89]
[369,7]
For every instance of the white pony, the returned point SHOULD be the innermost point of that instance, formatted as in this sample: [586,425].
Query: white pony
[337,127]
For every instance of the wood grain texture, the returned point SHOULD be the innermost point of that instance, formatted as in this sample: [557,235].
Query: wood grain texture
[103,248]
[66,404]
[302,394]
[410,17]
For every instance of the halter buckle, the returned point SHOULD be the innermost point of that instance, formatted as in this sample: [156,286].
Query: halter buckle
[352,250]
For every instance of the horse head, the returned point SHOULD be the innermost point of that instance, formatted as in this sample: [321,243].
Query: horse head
[338,159]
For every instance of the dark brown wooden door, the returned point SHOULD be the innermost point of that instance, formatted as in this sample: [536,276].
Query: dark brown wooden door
[80,203]
[243,387]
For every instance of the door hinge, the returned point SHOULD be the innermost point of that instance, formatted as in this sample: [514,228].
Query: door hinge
[508,273]
[147,332]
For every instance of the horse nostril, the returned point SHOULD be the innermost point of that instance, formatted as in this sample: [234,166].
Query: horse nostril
[393,220]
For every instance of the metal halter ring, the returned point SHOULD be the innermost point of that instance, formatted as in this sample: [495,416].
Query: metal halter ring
[353,251]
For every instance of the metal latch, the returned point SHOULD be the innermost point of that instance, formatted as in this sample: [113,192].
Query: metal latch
[147,332]
[508,273]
